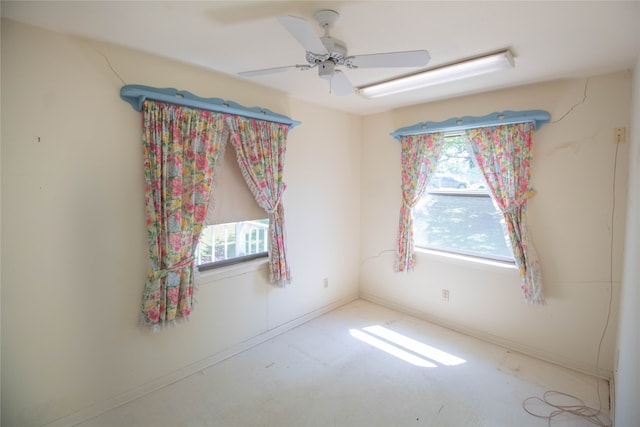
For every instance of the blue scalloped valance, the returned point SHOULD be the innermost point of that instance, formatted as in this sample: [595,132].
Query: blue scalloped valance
[137,94]
[538,117]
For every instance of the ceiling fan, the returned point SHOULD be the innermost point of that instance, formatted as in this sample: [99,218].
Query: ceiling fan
[328,53]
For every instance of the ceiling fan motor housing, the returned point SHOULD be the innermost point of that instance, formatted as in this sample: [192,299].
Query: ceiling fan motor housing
[337,52]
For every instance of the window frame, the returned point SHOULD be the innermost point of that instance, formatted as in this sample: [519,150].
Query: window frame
[231,261]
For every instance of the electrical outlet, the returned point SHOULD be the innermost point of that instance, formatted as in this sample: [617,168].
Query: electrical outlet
[445,295]
[619,135]
[326,282]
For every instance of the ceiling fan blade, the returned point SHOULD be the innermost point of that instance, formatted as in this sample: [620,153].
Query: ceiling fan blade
[340,84]
[264,71]
[413,58]
[302,31]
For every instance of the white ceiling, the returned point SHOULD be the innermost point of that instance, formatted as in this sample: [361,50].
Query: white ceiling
[549,39]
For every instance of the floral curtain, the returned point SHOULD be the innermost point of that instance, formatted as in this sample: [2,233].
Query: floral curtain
[504,155]
[418,160]
[260,147]
[180,148]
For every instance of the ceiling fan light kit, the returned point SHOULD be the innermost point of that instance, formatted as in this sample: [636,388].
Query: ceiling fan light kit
[326,70]
[435,76]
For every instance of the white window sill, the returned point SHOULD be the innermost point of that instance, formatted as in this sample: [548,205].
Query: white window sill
[469,261]
[216,274]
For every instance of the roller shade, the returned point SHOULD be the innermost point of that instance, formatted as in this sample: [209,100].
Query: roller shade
[231,200]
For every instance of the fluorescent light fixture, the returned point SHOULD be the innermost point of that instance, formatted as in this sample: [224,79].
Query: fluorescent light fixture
[435,76]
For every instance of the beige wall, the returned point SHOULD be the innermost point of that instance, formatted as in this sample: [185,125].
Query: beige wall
[73,243]
[569,220]
[627,378]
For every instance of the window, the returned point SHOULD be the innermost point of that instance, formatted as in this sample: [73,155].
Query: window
[236,228]
[223,244]
[456,213]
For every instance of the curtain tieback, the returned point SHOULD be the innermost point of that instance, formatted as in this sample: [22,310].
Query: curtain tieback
[159,274]
[407,205]
[274,210]
[519,202]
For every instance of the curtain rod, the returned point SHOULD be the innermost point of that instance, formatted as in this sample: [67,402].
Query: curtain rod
[538,117]
[137,94]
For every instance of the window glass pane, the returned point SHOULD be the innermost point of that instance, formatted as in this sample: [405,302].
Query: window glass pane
[222,242]
[465,224]
[456,168]
[457,214]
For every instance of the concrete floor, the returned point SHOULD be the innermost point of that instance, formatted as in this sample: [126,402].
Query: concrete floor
[339,370]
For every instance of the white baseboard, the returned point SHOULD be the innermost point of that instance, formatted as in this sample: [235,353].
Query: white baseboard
[138,392]
[493,339]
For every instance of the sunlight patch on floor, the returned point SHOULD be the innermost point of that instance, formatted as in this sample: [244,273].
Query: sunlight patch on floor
[404,348]
[415,346]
